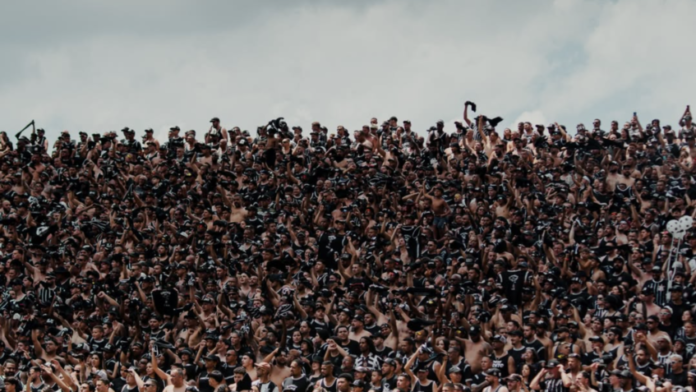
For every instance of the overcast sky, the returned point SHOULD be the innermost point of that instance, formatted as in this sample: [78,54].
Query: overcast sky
[96,66]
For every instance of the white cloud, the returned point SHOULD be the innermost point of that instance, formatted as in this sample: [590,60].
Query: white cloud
[89,68]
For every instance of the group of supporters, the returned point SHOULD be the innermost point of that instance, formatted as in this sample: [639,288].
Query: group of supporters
[461,258]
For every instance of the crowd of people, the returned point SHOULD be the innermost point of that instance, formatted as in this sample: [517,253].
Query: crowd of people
[464,258]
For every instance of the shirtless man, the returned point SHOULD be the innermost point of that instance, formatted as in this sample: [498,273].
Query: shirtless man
[238,213]
[175,381]
[475,348]
[627,176]
[280,370]
[49,350]
[440,208]
[648,307]
[357,329]
[654,332]
[613,177]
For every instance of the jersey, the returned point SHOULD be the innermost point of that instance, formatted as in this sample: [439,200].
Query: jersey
[300,384]
[513,281]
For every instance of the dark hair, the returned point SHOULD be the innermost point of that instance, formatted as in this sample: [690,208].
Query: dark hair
[216,375]
[13,381]
[370,344]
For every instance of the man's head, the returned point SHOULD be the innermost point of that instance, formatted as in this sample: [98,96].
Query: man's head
[177,376]
[327,369]
[677,363]
[513,382]
[296,368]
[12,384]
[344,382]
[102,385]
[389,366]
[263,369]
[493,376]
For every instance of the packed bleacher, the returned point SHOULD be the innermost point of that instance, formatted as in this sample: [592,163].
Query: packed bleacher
[463,257]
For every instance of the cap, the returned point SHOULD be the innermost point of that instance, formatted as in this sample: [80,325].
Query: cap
[498,338]
[390,361]
[551,364]
[456,369]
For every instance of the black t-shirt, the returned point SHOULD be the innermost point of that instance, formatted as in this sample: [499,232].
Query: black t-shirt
[658,287]
[411,236]
[580,301]
[516,354]
[538,347]
[677,312]
[512,282]
[501,363]
[203,384]
[329,242]
[97,345]
[117,384]
[589,358]
[389,383]
[352,347]
[300,384]
[679,379]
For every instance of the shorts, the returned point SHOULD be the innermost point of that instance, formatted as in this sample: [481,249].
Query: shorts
[440,222]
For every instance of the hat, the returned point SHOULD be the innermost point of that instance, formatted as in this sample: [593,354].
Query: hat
[175,128]
[215,119]
[493,372]
[498,338]
[212,358]
[551,364]
[456,369]
[211,336]
[425,350]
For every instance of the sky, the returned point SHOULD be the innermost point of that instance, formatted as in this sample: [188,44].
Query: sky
[97,66]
